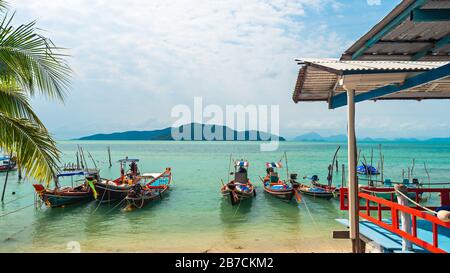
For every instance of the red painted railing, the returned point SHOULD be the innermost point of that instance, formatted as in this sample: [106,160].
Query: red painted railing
[380,204]
[444,195]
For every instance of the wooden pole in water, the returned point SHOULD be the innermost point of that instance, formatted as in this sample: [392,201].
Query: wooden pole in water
[4,185]
[352,177]
[287,168]
[78,162]
[405,218]
[19,168]
[381,163]
[109,156]
[6,179]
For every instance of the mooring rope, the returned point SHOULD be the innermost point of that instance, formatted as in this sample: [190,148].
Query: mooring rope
[100,202]
[415,203]
[377,192]
[116,206]
[18,198]
[17,210]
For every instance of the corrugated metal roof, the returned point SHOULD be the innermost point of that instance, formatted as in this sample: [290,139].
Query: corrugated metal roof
[318,79]
[340,67]
[407,38]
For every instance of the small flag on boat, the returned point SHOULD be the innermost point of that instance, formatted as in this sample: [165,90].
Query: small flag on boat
[242,163]
[274,165]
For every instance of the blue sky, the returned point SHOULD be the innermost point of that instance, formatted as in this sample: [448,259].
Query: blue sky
[135,60]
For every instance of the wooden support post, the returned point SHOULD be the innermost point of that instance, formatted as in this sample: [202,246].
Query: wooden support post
[405,218]
[19,169]
[353,199]
[4,185]
[109,156]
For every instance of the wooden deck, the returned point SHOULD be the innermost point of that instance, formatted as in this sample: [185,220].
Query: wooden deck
[391,242]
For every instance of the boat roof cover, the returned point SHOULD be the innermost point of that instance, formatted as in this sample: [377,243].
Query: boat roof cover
[73,173]
[405,57]
[274,165]
[128,160]
[242,163]
[151,175]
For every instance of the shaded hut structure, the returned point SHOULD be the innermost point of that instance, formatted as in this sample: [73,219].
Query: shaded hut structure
[406,56]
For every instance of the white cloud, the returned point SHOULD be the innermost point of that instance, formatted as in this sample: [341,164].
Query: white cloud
[134,60]
[373,2]
[143,57]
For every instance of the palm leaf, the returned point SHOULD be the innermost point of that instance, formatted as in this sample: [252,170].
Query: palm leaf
[35,149]
[14,103]
[32,60]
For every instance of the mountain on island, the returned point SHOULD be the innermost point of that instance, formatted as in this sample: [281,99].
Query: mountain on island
[315,137]
[220,132]
[318,138]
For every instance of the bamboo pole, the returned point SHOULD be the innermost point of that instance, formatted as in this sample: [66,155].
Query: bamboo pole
[78,162]
[109,156]
[4,185]
[19,169]
[6,178]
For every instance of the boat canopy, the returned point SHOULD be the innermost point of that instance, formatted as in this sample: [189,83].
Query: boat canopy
[242,163]
[75,173]
[274,165]
[151,175]
[128,160]
[4,158]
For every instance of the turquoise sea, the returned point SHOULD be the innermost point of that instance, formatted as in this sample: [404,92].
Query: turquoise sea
[194,217]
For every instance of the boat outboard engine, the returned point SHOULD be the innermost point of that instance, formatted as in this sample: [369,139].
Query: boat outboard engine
[136,190]
[293,180]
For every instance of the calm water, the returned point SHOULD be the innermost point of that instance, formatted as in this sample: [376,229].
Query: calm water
[194,216]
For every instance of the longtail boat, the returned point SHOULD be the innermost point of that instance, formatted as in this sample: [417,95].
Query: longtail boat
[315,182]
[274,186]
[117,190]
[316,192]
[140,195]
[66,195]
[240,187]
[367,169]
[7,164]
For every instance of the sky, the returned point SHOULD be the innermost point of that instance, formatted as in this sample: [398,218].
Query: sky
[135,60]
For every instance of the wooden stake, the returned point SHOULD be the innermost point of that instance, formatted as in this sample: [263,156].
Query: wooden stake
[4,186]
[6,178]
[109,156]
[343,176]
[19,168]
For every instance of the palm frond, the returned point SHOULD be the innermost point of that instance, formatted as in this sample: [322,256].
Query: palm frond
[32,60]
[3,5]
[35,149]
[14,103]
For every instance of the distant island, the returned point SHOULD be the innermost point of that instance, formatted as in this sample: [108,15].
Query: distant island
[315,137]
[166,134]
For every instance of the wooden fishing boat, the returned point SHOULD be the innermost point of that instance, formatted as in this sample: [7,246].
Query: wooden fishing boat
[316,183]
[7,164]
[315,192]
[67,195]
[274,186]
[140,195]
[240,188]
[117,190]
[386,191]
[367,170]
